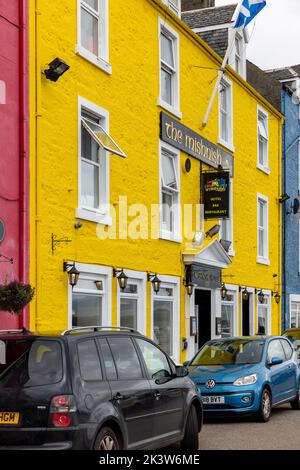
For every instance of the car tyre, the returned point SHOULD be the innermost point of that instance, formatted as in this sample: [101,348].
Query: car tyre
[265,408]
[190,441]
[295,404]
[107,440]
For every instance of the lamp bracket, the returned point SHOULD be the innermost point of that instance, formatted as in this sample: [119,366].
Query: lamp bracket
[57,241]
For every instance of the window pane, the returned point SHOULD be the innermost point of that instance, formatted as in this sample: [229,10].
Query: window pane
[261,214]
[262,320]
[275,351]
[262,151]
[155,360]
[131,289]
[166,86]
[89,361]
[92,3]
[168,170]
[89,32]
[162,325]
[100,136]
[223,98]
[128,313]
[126,359]
[167,50]
[167,211]
[227,321]
[110,368]
[224,126]
[87,284]
[287,349]
[90,190]
[89,148]
[261,243]
[87,310]
[166,292]
[262,127]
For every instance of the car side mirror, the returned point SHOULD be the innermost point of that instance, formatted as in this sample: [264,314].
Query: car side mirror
[161,377]
[275,361]
[186,363]
[181,371]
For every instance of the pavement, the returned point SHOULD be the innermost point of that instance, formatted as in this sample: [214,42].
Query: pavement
[282,432]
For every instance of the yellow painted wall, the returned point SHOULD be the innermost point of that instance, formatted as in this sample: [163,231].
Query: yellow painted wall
[130,95]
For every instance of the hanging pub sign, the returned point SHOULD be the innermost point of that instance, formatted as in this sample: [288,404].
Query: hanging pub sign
[188,141]
[215,194]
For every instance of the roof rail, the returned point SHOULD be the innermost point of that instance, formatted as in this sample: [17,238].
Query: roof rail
[96,328]
[22,330]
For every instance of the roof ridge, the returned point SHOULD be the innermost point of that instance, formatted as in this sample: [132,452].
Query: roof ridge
[210,8]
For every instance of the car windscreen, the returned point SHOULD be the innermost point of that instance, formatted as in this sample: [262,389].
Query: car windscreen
[229,352]
[30,363]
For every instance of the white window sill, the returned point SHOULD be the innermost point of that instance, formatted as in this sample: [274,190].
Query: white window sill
[100,63]
[227,145]
[163,235]
[168,107]
[264,261]
[263,168]
[94,216]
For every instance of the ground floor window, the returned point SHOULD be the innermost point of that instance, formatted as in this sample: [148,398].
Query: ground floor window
[227,315]
[132,302]
[295,314]
[263,312]
[166,318]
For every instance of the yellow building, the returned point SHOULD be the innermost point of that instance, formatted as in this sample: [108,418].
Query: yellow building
[138,73]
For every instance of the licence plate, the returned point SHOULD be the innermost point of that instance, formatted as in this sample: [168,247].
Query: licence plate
[9,417]
[213,400]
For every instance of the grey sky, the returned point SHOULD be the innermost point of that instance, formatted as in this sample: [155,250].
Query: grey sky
[276,35]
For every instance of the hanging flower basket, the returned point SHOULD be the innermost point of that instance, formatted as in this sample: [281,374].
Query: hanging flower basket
[15,296]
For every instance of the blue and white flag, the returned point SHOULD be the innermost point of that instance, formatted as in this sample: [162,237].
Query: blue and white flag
[248,11]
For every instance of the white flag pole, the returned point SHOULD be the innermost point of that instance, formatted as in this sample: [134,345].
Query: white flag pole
[222,70]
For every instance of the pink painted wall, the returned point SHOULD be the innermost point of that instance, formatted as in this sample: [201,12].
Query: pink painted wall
[14,147]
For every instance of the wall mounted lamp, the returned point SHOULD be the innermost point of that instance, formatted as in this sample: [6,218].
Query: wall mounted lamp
[155,281]
[213,231]
[260,296]
[99,284]
[122,278]
[224,292]
[277,297]
[73,273]
[285,197]
[245,293]
[56,69]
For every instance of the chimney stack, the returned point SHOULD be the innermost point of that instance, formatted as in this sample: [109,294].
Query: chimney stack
[187,5]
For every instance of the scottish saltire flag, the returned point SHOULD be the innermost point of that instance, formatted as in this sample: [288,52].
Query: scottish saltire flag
[248,11]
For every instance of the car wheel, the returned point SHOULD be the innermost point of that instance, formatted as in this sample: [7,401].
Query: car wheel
[107,440]
[295,404]
[190,440]
[265,408]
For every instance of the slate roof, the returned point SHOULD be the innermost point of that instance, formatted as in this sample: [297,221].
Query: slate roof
[284,73]
[208,16]
[217,40]
[265,84]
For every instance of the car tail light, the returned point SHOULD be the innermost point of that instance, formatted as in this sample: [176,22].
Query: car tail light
[61,410]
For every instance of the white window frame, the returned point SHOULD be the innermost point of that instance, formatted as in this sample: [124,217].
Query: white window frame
[102,60]
[176,235]
[263,259]
[229,91]
[174,109]
[293,299]
[268,296]
[232,290]
[101,215]
[265,167]
[102,273]
[229,222]
[174,283]
[173,7]
[139,278]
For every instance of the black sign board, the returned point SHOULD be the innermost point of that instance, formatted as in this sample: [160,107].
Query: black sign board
[187,140]
[205,276]
[215,194]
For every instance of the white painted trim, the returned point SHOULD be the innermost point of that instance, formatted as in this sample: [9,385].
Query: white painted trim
[88,213]
[175,108]
[268,295]
[173,8]
[223,262]
[235,290]
[100,272]
[265,168]
[263,260]
[140,279]
[173,282]
[229,145]
[293,298]
[241,36]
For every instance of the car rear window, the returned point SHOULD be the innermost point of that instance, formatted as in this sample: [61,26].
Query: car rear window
[31,363]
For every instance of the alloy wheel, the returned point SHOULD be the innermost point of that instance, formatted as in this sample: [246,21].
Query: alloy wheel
[266,405]
[107,443]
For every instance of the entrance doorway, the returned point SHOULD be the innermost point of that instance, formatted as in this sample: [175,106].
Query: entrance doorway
[203,306]
[246,317]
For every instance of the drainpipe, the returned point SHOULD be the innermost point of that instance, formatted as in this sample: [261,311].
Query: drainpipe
[24,154]
[283,95]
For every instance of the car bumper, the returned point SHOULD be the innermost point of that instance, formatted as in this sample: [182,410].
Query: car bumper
[244,401]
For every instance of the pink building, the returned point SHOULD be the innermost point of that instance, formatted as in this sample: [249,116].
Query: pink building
[14,150]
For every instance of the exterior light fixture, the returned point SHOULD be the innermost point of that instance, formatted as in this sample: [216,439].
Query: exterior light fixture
[56,69]
[99,284]
[285,197]
[277,297]
[245,293]
[155,281]
[213,231]
[73,273]
[261,297]
[189,288]
[198,239]
[122,278]
[224,292]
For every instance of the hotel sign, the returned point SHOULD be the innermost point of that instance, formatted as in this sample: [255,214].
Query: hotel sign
[188,141]
[215,194]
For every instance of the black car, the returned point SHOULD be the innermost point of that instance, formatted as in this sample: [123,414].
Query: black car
[94,388]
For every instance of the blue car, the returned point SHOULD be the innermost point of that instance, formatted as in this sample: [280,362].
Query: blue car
[248,376]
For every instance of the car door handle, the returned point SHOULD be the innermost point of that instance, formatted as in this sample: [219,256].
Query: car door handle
[157,395]
[118,397]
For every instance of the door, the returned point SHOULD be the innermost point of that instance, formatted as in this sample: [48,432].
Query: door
[131,392]
[246,316]
[168,398]
[292,373]
[278,373]
[203,301]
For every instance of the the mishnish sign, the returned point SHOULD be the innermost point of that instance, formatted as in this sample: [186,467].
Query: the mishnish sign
[188,141]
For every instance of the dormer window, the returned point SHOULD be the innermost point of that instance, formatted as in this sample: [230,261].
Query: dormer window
[239,43]
[174,5]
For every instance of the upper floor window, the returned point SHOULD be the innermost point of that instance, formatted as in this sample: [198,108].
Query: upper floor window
[239,46]
[263,140]
[174,5]
[169,69]
[263,229]
[93,32]
[225,114]
[226,233]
